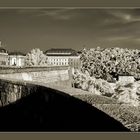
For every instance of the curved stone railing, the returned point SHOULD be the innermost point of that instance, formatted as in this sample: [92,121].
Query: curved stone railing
[30,106]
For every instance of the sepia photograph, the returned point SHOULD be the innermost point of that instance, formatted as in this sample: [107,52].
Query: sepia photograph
[69,69]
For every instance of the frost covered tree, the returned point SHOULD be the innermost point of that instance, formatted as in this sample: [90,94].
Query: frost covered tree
[108,63]
[36,58]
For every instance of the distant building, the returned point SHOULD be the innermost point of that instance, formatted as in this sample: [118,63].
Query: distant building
[16,59]
[3,56]
[126,79]
[63,57]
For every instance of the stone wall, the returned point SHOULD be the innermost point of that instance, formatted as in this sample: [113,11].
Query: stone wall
[57,75]
[14,69]
[13,80]
[13,90]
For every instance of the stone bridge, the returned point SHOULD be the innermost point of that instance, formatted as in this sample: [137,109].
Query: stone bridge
[13,80]
[30,105]
[38,107]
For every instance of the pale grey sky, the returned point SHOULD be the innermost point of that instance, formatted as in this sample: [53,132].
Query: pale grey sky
[24,29]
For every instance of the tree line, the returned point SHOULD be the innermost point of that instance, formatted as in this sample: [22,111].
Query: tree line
[109,63]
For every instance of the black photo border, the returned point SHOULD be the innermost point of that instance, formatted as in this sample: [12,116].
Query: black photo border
[70,3]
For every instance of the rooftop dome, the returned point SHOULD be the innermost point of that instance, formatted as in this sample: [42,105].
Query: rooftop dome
[2,50]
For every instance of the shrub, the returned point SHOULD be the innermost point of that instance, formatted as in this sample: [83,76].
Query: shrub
[127,93]
[93,85]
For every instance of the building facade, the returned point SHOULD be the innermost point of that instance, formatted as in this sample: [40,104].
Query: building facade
[3,57]
[63,57]
[16,59]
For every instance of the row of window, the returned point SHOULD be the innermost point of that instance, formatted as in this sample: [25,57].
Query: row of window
[65,63]
[64,60]
[59,63]
[2,62]
[3,59]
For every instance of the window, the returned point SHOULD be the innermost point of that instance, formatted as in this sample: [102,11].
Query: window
[3,63]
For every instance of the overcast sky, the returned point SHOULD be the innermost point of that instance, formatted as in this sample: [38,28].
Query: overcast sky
[25,29]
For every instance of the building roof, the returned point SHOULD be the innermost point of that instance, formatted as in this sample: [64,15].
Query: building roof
[2,50]
[17,53]
[61,52]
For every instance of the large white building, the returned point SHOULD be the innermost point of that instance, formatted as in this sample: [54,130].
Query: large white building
[63,57]
[16,59]
[3,55]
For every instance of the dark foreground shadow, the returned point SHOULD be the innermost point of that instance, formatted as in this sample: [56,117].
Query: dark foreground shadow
[50,110]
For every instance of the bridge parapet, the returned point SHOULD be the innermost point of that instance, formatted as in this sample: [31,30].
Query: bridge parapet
[55,74]
[13,81]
